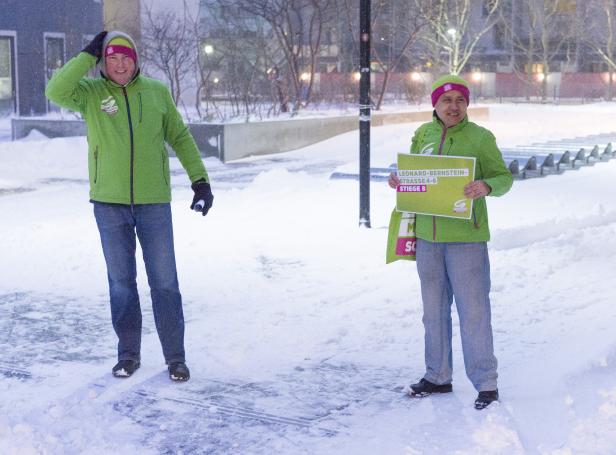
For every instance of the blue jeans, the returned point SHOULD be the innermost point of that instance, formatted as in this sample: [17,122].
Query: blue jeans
[117,225]
[460,270]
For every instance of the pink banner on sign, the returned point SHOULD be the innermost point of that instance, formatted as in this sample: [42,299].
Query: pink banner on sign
[412,188]
[406,246]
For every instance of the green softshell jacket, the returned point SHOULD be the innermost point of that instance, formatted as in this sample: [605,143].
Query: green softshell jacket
[464,139]
[127,130]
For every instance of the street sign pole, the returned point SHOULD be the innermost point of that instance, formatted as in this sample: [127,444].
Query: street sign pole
[364,113]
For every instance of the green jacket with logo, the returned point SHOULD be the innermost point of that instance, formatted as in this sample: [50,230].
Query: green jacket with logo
[464,139]
[127,130]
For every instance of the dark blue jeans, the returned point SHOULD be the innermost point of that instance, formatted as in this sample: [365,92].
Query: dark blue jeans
[119,226]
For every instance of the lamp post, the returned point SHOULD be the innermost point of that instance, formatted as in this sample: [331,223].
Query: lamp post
[415,92]
[205,69]
[364,113]
[452,39]
[477,78]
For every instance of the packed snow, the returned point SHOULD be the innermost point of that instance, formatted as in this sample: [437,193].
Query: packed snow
[299,338]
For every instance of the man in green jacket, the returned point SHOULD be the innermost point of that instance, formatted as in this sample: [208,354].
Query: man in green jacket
[129,119]
[452,255]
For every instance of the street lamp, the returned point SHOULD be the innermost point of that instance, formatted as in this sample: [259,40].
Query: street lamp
[477,78]
[208,49]
[452,32]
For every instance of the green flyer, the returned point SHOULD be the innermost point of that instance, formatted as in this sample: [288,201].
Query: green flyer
[434,185]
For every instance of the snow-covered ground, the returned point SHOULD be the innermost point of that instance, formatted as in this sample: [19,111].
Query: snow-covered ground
[300,339]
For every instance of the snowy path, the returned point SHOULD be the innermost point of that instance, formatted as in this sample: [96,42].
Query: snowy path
[299,338]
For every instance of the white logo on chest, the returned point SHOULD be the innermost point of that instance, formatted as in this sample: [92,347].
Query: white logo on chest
[427,149]
[109,105]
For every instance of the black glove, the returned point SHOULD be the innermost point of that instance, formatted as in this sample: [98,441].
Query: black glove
[95,47]
[204,198]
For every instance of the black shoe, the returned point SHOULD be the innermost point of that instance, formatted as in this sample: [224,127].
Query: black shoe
[125,368]
[485,398]
[178,371]
[424,388]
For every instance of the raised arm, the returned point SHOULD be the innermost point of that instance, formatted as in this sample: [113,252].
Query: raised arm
[67,87]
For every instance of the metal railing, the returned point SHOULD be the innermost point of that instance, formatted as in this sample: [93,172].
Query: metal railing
[534,160]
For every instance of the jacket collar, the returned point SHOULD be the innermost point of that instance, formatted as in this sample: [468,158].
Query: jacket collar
[453,129]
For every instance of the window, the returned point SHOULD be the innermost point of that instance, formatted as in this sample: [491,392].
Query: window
[8,82]
[499,35]
[54,59]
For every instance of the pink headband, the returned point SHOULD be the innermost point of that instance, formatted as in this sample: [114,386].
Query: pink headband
[118,49]
[436,94]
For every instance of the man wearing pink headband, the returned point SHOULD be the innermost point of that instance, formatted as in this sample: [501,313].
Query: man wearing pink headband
[120,60]
[120,45]
[448,83]
[450,98]
[130,118]
[452,254]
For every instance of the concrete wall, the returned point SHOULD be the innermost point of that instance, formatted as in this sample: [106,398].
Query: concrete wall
[246,139]
[21,127]
[239,140]
[209,138]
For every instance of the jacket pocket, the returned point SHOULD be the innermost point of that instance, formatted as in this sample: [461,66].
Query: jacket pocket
[96,164]
[164,167]
[140,109]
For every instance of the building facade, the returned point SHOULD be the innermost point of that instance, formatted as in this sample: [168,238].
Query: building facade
[526,47]
[36,38]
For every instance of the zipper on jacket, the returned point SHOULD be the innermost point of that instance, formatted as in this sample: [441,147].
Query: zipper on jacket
[132,152]
[440,147]
[440,152]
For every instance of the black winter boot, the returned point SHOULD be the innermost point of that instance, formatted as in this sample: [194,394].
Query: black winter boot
[485,398]
[178,371]
[125,368]
[424,388]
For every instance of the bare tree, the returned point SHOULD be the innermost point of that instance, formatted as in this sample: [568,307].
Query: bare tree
[548,33]
[236,61]
[168,44]
[298,27]
[601,36]
[396,26]
[452,30]
[521,23]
